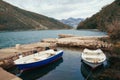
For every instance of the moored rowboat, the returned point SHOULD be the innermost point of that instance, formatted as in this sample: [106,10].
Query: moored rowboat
[93,58]
[38,59]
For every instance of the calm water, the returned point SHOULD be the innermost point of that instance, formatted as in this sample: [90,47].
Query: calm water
[8,39]
[67,68]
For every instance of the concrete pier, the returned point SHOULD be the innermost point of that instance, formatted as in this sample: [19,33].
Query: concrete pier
[66,35]
[92,42]
[8,55]
[4,75]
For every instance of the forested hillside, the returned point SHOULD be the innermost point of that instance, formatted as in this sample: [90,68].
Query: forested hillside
[108,19]
[13,18]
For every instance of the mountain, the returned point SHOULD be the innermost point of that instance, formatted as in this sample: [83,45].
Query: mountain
[108,19]
[108,14]
[72,21]
[13,18]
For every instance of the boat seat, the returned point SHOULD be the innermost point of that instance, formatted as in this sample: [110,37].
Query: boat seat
[51,53]
[36,58]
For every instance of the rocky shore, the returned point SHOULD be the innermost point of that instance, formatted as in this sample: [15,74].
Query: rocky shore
[92,42]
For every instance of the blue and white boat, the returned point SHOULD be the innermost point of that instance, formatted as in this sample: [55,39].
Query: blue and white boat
[38,59]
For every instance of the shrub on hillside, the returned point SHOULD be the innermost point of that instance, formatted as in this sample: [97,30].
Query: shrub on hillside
[114,30]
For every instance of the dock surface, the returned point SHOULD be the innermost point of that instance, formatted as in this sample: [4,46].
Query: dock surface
[8,55]
[93,42]
[7,52]
[4,75]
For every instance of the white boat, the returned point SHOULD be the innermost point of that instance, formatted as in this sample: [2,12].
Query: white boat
[38,59]
[93,58]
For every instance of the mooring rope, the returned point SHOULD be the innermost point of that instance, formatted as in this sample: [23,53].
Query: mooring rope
[89,75]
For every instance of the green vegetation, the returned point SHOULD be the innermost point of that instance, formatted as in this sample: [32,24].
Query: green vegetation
[108,19]
[13,18]
[112,72]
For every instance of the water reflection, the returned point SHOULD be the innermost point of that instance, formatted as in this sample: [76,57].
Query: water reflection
[76,49]
[41,71]
[89,73]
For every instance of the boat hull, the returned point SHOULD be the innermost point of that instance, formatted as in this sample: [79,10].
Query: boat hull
[39,63]
[92,65]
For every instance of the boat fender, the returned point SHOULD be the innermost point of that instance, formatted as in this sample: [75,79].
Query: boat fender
[55,49]
[35,51]
[47,48]
[20,55]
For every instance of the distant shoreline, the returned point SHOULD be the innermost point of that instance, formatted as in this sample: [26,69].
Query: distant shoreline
[51,29]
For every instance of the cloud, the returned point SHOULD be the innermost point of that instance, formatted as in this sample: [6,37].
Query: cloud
[62,9]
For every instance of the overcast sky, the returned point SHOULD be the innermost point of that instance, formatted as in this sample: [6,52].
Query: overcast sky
[62,9]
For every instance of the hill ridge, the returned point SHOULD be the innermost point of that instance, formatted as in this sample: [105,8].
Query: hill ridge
[13,18]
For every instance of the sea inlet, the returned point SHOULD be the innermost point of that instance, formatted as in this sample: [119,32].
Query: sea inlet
[69,67]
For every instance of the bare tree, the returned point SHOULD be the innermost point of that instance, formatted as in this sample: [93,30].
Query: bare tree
[114,30]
